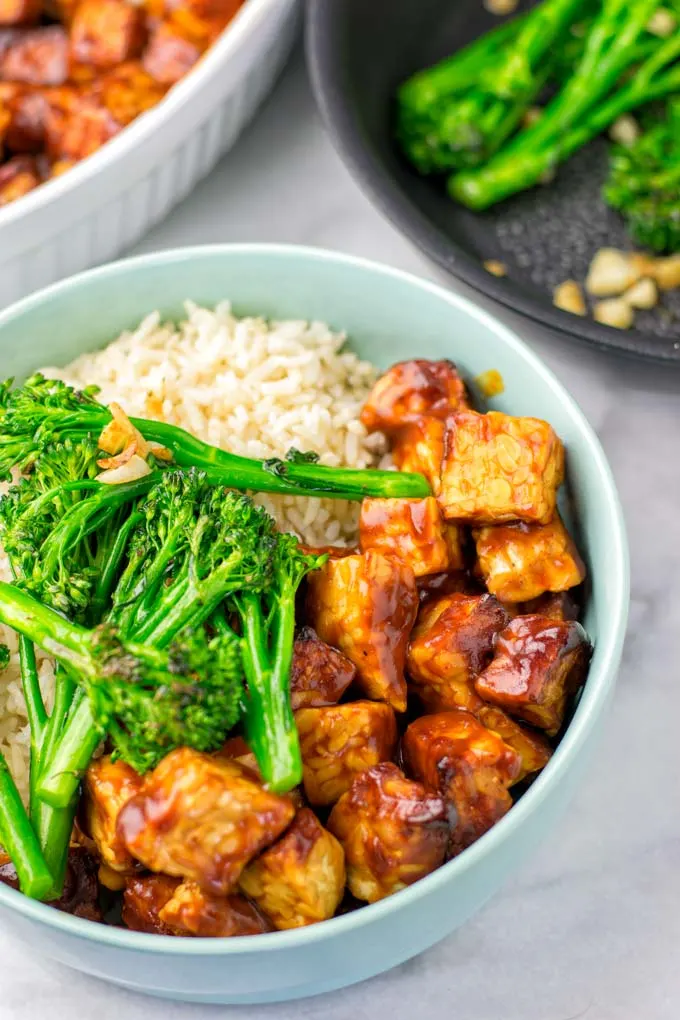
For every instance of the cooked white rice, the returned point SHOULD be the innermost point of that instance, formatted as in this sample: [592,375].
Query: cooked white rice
[252,387]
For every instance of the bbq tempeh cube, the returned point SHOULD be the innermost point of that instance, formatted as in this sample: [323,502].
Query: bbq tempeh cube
[411,530]
[161,905]
[37,57]
[453,753]
[411,389]
[301,878]
[537,665]
[554,605]
[320,675]
[107,787]
[19,12]
[144,898]
[105,33]
[450,645]
[339,742]
[366,605]
[17,177]
[202,819]
[419,447]
[393,831]
[192,911]
[522,561]
[126,92]
[533,749]
[169,54]
[498,468]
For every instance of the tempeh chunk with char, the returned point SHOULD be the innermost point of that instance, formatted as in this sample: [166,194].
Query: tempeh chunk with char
[300,880]
[393,831]
[537,665]
[202,819]
[450,645]
[470,766]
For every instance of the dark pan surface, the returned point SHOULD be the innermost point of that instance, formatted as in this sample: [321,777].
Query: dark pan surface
[359,51]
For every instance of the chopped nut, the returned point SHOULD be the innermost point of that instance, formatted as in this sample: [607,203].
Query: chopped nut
[624,130]
[613,271]
[135,468]
[495,267]
[643,294]
[662,23]
[532,115]
[614,312]
[569,297]
[666,271]
[501,7]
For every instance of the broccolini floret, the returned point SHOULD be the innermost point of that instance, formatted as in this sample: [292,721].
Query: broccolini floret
[644,182]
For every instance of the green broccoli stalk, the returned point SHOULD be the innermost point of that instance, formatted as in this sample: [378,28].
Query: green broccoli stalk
[44,411]
[268,628]
[459,113]
[28,514]
[584,108]
[644,182]
[20,841]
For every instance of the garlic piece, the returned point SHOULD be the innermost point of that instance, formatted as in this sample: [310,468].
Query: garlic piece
[118,459]
[643,294]
[614,312]
[569,297]
[613,271]
[495,267]
[624,130]
[120,432]
[135,468]
[662,23]
[159,452]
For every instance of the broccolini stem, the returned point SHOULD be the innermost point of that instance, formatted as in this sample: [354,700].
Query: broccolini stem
[297,479]
[458,72]
[21,842]
[269,722]
[53,828]
[574,117]
[35,707]
[109,569]
[64,693]
[52,632]
[61,774]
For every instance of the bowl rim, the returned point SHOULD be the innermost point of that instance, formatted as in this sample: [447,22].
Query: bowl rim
[245,23]
[594,696]
[396,205]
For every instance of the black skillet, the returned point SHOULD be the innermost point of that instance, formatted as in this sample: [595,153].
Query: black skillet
[358,52]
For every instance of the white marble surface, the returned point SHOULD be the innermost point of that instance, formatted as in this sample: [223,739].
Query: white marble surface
[591,925]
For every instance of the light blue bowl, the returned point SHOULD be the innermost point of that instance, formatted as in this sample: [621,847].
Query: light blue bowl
[388,316]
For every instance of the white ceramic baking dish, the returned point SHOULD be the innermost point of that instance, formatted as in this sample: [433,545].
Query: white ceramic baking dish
[107,202]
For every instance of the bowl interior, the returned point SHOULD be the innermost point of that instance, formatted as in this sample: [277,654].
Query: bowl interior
[360,53]
[388,316]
